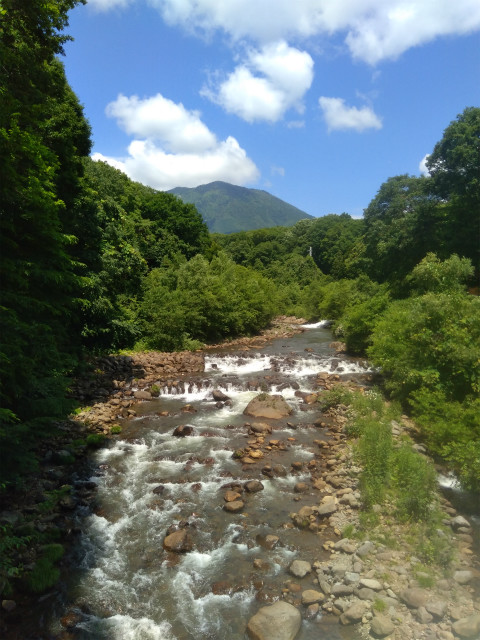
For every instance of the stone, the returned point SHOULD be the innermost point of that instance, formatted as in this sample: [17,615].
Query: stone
[366,594]
[327,509]
[301,487]
[252,486]
[467,627]
[182,431]
[351,577]
[463,577]
[366,548]
[310,596]
[268,406]
[261,427]
[460,522]
[438,608]
[370,583]
[279,621]
[339,590]
[219,396]
[422,615]
[300,568]
[414,598]
[354,613]
[345,545]
[381,626]
[234,507]
[231,496]
[142,395]
[178,542]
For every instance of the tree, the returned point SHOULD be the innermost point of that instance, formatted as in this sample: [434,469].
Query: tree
[454,166]
[43,135]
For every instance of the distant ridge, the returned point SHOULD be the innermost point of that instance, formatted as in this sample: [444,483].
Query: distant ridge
[227,208]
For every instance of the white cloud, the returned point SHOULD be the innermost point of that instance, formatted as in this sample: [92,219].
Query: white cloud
[159,118]
[269,83]
[423,166]
[340,117]
[177,148]
[374,29]
[277,171]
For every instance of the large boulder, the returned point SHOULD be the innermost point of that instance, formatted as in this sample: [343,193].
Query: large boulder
[280,621]
[268,406]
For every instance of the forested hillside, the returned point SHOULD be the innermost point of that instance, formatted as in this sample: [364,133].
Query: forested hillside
[227,208]
[93,262]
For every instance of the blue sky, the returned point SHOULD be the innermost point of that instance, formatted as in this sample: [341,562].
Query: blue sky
[316,101]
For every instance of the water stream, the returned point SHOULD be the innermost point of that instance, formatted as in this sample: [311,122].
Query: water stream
[125,585]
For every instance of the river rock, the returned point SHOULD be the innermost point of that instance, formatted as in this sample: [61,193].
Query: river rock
[261,427]
[252,486]
[354,613]
[182,431]
[279,621]
[463,577]
[327,509]
[300,568]
[219,396]
[301,487]
[468,627]
[460,522]
[231,496]
[234,507]
[438,608]
[381,626]
[178,541]
[268,406]
[422,615]
[345,545]
[142,395]
[370,583]
[310,596]
[414,598]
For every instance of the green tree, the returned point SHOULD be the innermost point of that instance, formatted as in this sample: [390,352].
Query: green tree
[454,166]
[43,135]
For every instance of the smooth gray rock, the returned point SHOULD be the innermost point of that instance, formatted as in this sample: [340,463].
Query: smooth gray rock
[381,626]
[438,608]
[354,613]
[300,568]
[280,621]
[463,577]
[468,627]
[370,583]
[414,598]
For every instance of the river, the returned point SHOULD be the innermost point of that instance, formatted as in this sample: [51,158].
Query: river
[123,585]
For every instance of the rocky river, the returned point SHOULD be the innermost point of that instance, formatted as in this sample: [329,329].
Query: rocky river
[222,511]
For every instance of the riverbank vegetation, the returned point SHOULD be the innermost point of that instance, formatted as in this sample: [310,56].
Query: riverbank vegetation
[93,263]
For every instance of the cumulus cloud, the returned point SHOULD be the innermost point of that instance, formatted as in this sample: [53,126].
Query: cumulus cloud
[423,166]
[340,117]
[173,147]
[270,82]
[374,29]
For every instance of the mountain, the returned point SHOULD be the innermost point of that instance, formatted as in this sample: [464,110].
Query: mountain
[227,208]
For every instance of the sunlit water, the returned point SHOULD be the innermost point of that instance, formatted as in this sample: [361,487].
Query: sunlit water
[125,585]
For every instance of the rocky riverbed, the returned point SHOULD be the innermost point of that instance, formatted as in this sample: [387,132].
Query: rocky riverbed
[306,570]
